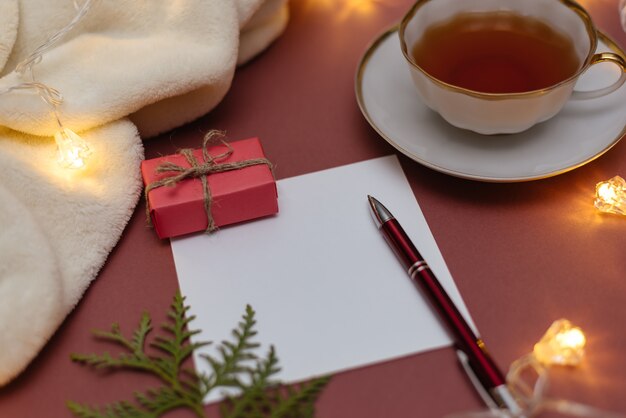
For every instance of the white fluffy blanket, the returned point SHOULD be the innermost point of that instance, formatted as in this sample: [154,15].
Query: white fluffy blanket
[131,69]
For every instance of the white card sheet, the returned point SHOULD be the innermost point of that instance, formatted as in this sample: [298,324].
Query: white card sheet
[329,293]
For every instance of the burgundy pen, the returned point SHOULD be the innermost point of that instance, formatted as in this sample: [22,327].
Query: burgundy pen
[473,351]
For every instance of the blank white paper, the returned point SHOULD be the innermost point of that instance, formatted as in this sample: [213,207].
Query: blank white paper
[329,293]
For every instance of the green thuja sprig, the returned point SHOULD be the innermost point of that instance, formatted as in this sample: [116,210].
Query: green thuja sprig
[263,397]
[236,366]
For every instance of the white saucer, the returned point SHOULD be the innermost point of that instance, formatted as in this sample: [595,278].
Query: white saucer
[581,132]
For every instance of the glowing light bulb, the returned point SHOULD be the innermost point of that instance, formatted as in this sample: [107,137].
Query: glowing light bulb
[73,150]
[611,196]
[562,344]
[363,7]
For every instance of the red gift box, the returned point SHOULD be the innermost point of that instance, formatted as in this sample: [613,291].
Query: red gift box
[237,195]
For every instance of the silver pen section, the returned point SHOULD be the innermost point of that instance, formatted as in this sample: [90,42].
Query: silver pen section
[497,399]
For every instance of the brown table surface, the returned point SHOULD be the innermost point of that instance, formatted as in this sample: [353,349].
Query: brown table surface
[522,254]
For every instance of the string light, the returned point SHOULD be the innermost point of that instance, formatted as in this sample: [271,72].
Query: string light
[611,196]
[562,344]
[528,377]
[73,151]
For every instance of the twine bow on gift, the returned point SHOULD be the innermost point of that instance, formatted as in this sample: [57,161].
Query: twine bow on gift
[209,165]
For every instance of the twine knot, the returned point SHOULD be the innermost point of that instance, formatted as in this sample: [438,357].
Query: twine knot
[209,165]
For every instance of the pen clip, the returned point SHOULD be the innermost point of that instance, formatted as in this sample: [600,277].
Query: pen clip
[482,392]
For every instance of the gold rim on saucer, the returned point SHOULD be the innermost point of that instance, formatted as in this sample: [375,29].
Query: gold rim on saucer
[610,43]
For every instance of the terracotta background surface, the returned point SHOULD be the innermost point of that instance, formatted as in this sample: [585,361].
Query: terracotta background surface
[522,255]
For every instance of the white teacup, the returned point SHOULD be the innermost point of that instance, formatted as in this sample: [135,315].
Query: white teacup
[497,113]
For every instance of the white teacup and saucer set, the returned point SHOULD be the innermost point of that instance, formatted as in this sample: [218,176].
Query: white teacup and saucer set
[490,137]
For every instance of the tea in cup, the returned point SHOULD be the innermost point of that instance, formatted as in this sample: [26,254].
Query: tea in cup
[501,66]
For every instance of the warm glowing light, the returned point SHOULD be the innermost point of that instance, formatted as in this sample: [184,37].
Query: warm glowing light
[562,344]
[611,196]
[361,7]
[345,9]
[73,150]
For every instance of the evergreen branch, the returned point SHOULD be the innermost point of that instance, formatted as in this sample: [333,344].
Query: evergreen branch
[253,402]
[106,361]
[299,403]
[115,335]
[116,410]
[139,336]
[164,399]
[254,397]
[236,365]
[265,369]
[234,357]
[178,391]
[263,397]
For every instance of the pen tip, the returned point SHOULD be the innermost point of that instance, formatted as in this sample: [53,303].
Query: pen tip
[374,203]
[379,212]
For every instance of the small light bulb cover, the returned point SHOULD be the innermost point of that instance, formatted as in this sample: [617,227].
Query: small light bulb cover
[72,149]
[611,196]
[562,344]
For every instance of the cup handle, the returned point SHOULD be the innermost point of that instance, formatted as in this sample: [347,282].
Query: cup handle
[596,59]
